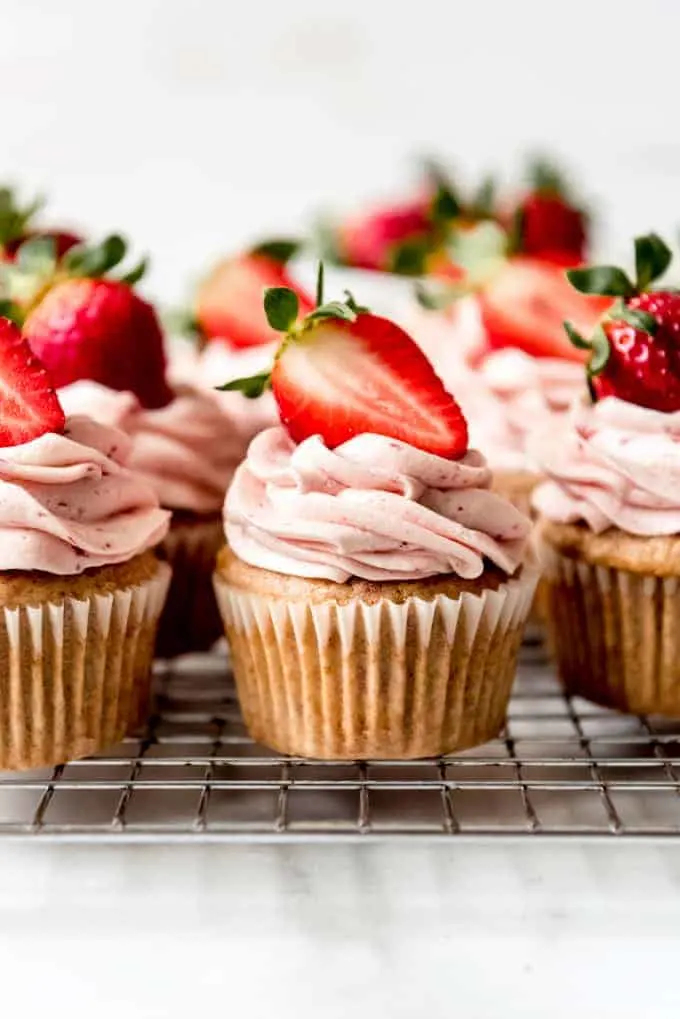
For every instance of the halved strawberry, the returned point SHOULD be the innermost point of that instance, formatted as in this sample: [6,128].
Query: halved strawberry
[343,372]
[29,406]
[525,303]
[228,304]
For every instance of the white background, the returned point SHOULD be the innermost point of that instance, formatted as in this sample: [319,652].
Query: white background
[195,125]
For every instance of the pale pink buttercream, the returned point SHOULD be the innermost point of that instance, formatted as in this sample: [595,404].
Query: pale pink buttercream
[187,450]
[218,363]
[68,502]
[373,508]
[616,465]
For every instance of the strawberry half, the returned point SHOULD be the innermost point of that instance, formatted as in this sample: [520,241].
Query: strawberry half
[635,349]
[84,324]
[525,303]
[29,406]
[342,372]
[228,304]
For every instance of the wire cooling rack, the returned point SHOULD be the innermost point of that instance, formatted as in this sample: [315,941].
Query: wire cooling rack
[563,767]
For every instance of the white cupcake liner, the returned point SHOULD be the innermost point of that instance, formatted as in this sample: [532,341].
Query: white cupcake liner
[615,634]
[75,674]
[407,679]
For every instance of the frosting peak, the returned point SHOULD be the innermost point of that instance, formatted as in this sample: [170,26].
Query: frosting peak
[68,502]
[374,508]
[618,466]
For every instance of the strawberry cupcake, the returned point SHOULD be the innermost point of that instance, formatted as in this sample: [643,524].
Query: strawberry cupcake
[507,354]
[609,528]
[374,588]
[81,590]
[103,346]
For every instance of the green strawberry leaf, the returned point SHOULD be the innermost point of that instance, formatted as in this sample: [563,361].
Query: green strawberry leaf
[358,309]
[576,338]
[652,258]
[281,306]
[634,317]
[251,387]
[601,351]
[445,206]
[545,177]
[606,280]
[319,284]
[279,249]
[410,257]
[95,260]
[134,275]
[334,309]
[483,202]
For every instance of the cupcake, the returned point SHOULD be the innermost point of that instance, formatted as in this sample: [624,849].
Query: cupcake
[104,348]
[81,590]
[511,362]
[609,529]
[373,587]
[187,451]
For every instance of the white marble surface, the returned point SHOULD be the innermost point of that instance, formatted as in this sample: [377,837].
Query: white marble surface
[478,931]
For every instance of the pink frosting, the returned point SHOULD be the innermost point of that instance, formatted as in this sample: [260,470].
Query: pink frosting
[217,364]
[188,451]
[617,465]
[68,503]
[373,508]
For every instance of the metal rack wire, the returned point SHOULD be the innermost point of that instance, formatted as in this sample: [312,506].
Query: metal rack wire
[562,767]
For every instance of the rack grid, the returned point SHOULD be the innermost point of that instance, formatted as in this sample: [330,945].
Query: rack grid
[562,767]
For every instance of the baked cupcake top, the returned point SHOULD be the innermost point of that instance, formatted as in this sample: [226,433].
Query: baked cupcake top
[617,463]
[67,500]
[187,451]
[370,475]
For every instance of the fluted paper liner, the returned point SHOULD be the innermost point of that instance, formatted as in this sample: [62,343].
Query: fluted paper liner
[191,620]
[615,634]
[384,680]
[76,674]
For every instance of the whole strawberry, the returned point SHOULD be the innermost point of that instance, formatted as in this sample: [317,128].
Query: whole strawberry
[548,223]
[342,371]
[85,324]
[635,350]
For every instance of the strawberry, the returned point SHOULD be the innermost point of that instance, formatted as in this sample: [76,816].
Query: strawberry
[522,301]
[83,324]
[635,349]
[15,226]
[548,224]
[524,304]
[342,371]
[228,304]
[29,406]
[385,236]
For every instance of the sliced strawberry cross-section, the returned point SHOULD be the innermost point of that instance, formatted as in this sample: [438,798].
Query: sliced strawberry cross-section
[342,371]
[29,406]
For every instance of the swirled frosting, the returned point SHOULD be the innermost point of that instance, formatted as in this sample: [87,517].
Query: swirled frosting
[616,465]
[188,450]
[68,502]
[373,508]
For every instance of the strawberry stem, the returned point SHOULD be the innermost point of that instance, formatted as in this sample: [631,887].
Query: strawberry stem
[319,284]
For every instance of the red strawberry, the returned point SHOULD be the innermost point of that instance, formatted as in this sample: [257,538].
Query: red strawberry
[29,406]
[229,302]
[84,325]
[371,241]
[343,372]
[635,351]
[548,224]
[525,303]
